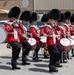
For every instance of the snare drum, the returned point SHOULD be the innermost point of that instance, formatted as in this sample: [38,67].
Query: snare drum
[32,42]
[65,42]
[43,41]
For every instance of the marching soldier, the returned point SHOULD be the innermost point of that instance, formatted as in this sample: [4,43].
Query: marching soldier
[12,37]
[72,30]
[61,28]
[53,16]
[26,47]
[35,34]
[42,33]
[67,23]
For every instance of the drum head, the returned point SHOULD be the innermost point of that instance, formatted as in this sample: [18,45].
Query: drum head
[43,39]
[3,35]
[32,41]
[65,42]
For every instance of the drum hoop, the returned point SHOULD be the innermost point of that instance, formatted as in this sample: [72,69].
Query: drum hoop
[72,37]
[43,39]
[68,42]
[71,41]
[32,41]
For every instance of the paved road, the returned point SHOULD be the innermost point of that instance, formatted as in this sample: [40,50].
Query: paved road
[35,68]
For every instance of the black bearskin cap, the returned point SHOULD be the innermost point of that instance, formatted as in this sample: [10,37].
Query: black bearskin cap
[62,18]
[54,14]
[25,15]
[44,18]
[72,18]
[67,15]
[33,17]
[14,12]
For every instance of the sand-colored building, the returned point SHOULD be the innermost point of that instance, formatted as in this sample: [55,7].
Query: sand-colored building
[39,6]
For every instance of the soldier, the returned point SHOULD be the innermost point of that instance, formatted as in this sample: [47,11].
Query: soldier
[53,17]
[72,30]
[35,34]
[67,23]
[61,28]
[42,33]
[12,35]
[26,47]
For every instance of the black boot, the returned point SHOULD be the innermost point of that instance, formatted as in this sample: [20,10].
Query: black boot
[15,67]
[24,61]
[52,69]
[14,63]
[65,61]
[57,65]
[36,59]
[72,55]
[45,55]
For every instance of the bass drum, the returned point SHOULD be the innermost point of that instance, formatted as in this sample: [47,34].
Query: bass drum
[32,42]
[65,42]
[3,34]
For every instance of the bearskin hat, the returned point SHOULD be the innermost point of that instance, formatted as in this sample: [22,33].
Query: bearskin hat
[44,18]
[25,15]
[54,14]
[67,15]
[62,18]
[72,18]
[33,17]
[14,12]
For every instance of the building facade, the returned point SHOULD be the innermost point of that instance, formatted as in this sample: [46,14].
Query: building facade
[39,6]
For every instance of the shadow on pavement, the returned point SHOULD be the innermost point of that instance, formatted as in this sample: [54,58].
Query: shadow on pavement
[38,70]
[5,67]
[41,65]
[6,57]
[9,63]
[18,63]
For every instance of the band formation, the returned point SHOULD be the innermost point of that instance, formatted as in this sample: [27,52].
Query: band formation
[55,35]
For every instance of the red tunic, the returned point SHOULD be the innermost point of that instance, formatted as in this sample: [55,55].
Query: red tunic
[10,32]
[42,31]
[72,30]
[22,31]
[67,29]
[64,31]
[49,31]
[59,31]
[35,32]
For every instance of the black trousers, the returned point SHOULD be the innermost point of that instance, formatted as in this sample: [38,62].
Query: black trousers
[15,52]
[60,50]
[26,48]
[35,55]
[54,54]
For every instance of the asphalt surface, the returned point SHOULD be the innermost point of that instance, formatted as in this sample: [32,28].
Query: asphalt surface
[35,68]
